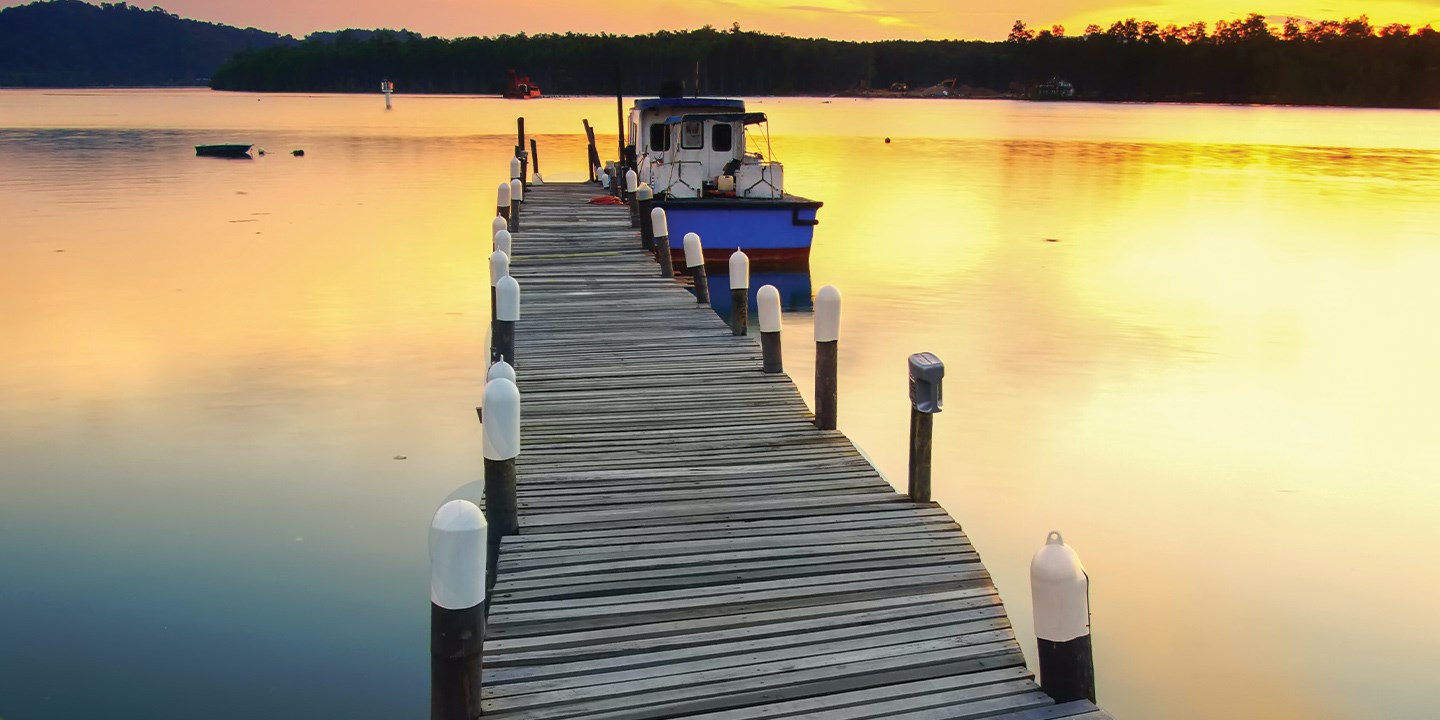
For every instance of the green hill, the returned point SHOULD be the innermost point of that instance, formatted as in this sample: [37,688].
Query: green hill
[68,43]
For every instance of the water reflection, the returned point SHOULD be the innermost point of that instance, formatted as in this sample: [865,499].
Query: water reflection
[793,284]
[1194,339]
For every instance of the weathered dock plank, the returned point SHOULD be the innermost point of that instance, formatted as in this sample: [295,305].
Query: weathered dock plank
[690,545]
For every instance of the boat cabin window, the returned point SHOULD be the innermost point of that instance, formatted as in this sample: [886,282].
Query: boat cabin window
[722,138]
[659,138]
[692,135]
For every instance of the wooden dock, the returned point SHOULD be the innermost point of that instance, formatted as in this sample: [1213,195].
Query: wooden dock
[690,545]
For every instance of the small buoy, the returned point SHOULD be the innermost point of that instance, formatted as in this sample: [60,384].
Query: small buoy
[298,153]
[1052,239]
[887,141]
[261,151]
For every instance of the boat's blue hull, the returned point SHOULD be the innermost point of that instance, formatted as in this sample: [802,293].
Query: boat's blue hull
[774,231]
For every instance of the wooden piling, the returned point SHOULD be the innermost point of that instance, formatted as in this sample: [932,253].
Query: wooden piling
[925,375]
[460,564]
[520,148]
[535,164]
[594,153]
[739,293]
[646,201]
[827,341]
[1060,597]
[695,264]
[507,313]
[499,268]
[517,198]
[768,302]
[662,242]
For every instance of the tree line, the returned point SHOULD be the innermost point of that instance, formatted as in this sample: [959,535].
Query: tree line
[68,43]
[1344,62]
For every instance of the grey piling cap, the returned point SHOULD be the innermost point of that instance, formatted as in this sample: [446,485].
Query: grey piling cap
[926,372]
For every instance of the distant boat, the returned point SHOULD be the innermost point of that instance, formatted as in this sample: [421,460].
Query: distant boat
[237,150]
[520,87]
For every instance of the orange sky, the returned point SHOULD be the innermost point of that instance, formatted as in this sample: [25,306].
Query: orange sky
[841,19]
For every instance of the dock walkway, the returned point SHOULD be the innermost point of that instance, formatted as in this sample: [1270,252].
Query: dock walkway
[691,545]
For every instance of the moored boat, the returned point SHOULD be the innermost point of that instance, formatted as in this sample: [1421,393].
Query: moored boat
[712,179]
[232,150]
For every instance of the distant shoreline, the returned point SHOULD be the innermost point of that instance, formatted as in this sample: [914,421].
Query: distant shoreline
[1081,100]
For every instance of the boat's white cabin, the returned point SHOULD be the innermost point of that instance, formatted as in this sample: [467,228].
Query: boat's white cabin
[697,147]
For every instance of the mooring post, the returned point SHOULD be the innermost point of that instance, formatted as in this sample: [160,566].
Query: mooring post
[695,263]
[497,224]
[500,369]
[1060,596]
[507,313]
[517,168]
[499,268]
[926,372]
[827,341]
[535,178]
[767,300]
[739,293]
[459,565]
[501,447]
[632,185]
[502,202]
[644,198]
[662,242]
[504,241]
[517,197]
[520,147]
[602,177]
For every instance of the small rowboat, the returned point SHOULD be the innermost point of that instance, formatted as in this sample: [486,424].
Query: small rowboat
[224,151]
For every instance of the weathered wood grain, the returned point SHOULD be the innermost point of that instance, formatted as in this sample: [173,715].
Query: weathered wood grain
[691,545]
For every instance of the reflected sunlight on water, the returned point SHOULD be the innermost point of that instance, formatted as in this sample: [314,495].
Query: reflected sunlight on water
[1195,339]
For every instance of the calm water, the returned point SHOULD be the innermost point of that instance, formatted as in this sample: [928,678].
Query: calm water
[234,392]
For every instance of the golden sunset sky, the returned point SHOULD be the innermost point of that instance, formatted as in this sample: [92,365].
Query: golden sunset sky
[839,19]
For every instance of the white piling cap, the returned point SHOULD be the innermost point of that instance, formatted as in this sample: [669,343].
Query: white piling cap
[497,225]
[499,370]
[631,181]
[514,167]
[644,192]
[694,255]
[739,270]
[1059,592]
[604,178]
[499,267]
[502,196]
[503,241]
[507,299]
[517,190]
[536,179]
[658,225]
[827,314]
[457,556]
[502,419]
[768,300]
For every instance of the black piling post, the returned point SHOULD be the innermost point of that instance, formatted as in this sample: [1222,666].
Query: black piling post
[646,199]
[517,199]
[695,264]
[459,566]
[1060,596]
[507,313]
[661,229]
[767,300]
[926,373]
[739,293]
[827,341]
